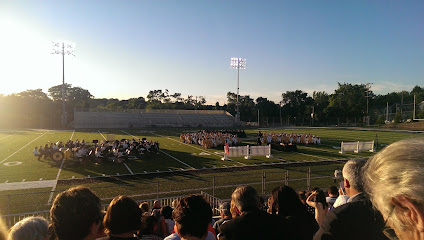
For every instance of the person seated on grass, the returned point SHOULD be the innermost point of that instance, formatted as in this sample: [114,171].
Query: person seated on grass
[122,219]
[30,228]
[36,153]
[76,214]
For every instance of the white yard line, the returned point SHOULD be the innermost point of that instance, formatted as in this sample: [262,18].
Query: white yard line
[24,147]
[163,152]
[202,149]
[129,170]
[102,134]
[72,134]
[177,159]
[54,186]
[6,136]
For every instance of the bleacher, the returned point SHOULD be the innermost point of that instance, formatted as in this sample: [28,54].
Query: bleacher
[140,118]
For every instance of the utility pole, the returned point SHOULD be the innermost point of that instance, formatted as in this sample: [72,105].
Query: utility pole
[63,48]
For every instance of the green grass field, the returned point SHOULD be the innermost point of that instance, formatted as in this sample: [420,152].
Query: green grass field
[176,170]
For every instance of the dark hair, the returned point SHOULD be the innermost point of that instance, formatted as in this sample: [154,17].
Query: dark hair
[192,216]
[148,225]
[73,212]
[302,195]
[320,197]
[333,190]
[123,215]
[144,206]
[166,212]
[286,201]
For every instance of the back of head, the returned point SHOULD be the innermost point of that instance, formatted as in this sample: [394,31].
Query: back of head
[73,212]
[352,171]
[286,202]
[122,216]
[245,198]
[144,206]
[30,228]
[192,216]
[397,170]
[333,191]
[166,212]
[148,224]
[320,197]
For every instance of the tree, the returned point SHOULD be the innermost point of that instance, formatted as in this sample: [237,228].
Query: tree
[295,104]
[349,101]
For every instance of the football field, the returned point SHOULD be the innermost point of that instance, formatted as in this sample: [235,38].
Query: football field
[21,173]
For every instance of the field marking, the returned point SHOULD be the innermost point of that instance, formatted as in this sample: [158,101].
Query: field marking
[54,186]
[72,134]
[129,170]
[6,136]
[163,152]
[102,134]
[24,146]
[323,150]
[219,155]
[26,185]
[176,159]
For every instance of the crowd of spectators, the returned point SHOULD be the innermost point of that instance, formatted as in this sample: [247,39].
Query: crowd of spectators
[211,139]
[385,201]
[116,151]
[287,138]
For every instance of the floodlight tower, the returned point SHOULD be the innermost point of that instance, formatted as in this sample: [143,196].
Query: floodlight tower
[238,63]
[63,48]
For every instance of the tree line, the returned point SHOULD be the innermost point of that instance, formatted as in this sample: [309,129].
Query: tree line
[349,103]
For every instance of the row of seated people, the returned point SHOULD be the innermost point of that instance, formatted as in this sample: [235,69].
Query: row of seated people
[285,216]
[210,139]
[240,133]
[117,151]
[380,206]
[288,138]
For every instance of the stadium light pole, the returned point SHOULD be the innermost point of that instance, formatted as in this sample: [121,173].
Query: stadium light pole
[238,63]
[63,48]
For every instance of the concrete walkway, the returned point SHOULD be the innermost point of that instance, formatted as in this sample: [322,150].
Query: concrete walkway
[27,185]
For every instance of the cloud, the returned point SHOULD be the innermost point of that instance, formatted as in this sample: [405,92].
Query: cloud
[388,87]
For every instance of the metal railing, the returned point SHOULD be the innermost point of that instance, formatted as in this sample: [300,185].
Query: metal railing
[17,206]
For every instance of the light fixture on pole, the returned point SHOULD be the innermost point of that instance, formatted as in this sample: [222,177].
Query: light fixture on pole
[63,48]
[238,63]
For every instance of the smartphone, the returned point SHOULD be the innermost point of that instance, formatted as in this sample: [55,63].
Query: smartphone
[342,187]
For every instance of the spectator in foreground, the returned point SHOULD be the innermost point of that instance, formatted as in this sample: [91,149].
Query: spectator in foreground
[192,217]
[303,197]
[148,228]
[393,180]
[75,214]
[333,193]
[30,228]
[225,213]
[145,208]
[252,222]
[356,219]
[168,223]
[318,201]
[286,204]
[122,219]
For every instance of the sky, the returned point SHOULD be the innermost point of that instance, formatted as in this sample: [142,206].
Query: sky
[124,49]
